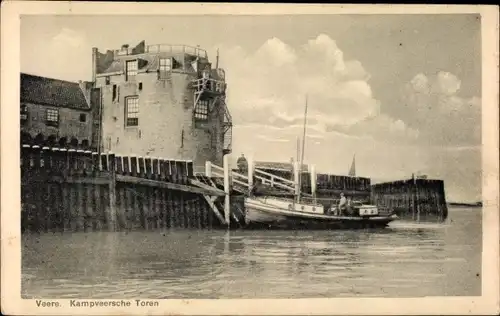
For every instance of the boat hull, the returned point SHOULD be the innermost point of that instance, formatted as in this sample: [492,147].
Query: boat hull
[260,214]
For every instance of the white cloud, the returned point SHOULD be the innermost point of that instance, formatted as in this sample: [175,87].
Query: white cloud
[447,83]
[64,54]
[271,139]
[443,115]
[269,87]
[69,37]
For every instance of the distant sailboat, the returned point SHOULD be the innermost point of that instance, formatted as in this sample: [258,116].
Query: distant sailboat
[352,170]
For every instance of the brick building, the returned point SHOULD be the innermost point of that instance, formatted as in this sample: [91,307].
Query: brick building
[164,101]
[55,112]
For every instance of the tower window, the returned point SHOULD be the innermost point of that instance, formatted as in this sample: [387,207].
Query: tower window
[165,67]
[131,69]
[201,111]
[108,80]
[114,92]
[83,117]
[132,111]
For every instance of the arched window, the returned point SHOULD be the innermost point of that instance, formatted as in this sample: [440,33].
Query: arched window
[26,138]
[39,139]
[51,141]
[85,144]
[74,142]
[63,141]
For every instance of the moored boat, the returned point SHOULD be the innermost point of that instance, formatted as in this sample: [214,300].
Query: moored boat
[301,213]
[272,212]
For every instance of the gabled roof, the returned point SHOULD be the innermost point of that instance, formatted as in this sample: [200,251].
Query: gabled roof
[54,92]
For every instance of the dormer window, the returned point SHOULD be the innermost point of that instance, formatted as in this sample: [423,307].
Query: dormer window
[165,67]
[131,69]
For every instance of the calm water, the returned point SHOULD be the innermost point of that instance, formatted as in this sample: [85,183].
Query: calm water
[407,259]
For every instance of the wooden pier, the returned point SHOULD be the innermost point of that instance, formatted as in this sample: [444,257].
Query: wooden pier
[74,190]
[65,189]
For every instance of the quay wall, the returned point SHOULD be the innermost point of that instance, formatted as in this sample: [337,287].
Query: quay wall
[417,199]
[71,190]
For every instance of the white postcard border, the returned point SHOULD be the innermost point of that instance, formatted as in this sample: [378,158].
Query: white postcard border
[11,301]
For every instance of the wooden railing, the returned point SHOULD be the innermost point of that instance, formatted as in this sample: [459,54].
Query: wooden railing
[245,183]
[207,84]
[274,181]
[79,162]
[177,49]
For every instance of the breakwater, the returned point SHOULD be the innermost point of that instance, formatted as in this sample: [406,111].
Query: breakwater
[417,199]
[75,190]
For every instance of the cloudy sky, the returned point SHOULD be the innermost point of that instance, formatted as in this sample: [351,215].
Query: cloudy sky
[403,93]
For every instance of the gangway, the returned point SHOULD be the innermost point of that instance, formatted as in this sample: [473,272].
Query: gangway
[233,183]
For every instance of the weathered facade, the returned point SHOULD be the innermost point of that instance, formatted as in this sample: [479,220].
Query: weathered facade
[162,101]
[55,111]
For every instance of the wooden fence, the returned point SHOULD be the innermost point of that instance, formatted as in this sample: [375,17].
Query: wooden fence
[76,190]
[328,185]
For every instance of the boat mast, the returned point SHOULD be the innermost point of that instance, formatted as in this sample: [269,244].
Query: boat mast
[303,150]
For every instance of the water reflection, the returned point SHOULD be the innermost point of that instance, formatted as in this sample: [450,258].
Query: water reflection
[404,260]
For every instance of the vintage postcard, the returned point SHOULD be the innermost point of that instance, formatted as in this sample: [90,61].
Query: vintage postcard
[244,159]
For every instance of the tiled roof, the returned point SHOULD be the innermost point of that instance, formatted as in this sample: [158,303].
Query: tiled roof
[54,92]
[277,165]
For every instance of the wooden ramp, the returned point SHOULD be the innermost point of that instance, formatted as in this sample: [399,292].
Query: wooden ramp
[230,187]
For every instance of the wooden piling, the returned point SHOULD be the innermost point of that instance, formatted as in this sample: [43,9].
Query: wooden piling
[168,171]
[208,169]
[296,179]
[148,195]
[97,208]
[174,177]
[156,208]
[88,224]
[175,211]
[227,190]
[190,169]
[112,192]
[250,174]
[58,205]
[187,210]
[156,168]
[313,181]
[134,166]
[169,210]
[197,212]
